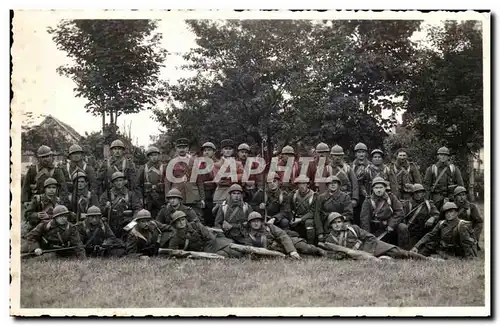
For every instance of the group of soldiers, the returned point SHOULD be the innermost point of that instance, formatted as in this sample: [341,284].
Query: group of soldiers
[336,210]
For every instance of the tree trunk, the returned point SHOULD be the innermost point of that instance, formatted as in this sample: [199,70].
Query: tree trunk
[103,121]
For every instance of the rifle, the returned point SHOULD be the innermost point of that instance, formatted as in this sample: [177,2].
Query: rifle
[31,253]
[355,254]
[256,250]
[189,254]
[263,144]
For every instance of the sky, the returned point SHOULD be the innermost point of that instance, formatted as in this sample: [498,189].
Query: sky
[42,90]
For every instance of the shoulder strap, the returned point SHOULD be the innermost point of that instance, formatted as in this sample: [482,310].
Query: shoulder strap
[294,197]
[124,165]
[452,169]
[245,208]
[428,204]
[280,198]
[224,208]
[435,170]
[352,230]
[67,168]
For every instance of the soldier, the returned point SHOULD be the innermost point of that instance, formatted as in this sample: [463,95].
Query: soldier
[221,191]
[174,204]
[354,237]
[194,236]
[192,192]
[146,235]
[275,204]
[119,204]
[151,182]
[288,153]
[450,237]
[97,237]
[81,198]
[441,178]
[420,214]
[377,168]
[77,164]
[348,180]
[322,151]
[232,213]
[359,166]
[256,233]
[302,205]
[382,213]
[37,174]
[208,149]
[55,234]
[254,182]
[406,174]
[117,163]
[468,211]
[41,206]
[333,200]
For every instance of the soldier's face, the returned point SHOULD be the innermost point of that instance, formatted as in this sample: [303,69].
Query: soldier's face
[81,183]
[174,201]
[451,214]
[61,220]
[51,190]
[302,187]
[256,224]
[154,157]
[143,224]
[236,196]
[119,183]
[379,189]
[337,224]
[336,159]
[208,152]
[47,160]
[243,154]
[94,219]
[361,155]
[182,150]
[117,151]
[227,151]
[273,184]
[323,154]
[402,157]
[443,158]
[181,223]
[377,159]
[419,195]
[76,157]
[461,198]
[333,186]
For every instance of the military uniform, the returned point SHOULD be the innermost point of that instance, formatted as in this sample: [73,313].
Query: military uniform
[112,165]
[165,214]
[381,171]
[80,200]
[302,207]
[40,203]
[416,215]
[147,242]
[233,213]
[327,203]
[470,212]
[277,206]
[348,180]
[406,175]
[269,237]
[359,169]
[70,168]
[209,187]
[222,187]
[151,185]
[287,185]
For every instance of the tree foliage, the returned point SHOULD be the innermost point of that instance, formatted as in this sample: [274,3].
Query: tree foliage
[116,63]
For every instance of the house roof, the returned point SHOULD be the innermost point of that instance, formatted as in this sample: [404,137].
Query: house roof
[72,132]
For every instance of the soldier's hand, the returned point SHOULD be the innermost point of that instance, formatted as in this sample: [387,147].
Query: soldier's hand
[226,226]
[321,238]
[108,204]
[294,255]
[354,203]
[429,222]
[389,229]
[38,251]
[296,221]
[202,204]
[262,206]
[43,215]
[271,221]
[414,250]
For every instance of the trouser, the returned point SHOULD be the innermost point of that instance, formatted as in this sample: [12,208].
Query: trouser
[208,217]
[399,237]
[283,224]
[306,230]
[308,249]
[399,253]
[228,252]
[196,208]
[357,210]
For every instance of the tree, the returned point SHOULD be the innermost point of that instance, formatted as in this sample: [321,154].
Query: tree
[116,64]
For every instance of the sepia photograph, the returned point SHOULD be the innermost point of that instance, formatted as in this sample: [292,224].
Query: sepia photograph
[250,163]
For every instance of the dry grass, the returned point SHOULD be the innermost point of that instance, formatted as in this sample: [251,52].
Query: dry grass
[162,283]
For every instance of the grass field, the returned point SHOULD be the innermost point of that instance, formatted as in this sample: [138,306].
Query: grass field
[311,282]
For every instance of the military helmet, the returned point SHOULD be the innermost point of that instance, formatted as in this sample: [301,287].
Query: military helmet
[59,210]
[244,147]
[226,143]
[234,187]
[143,214]
[49,182]
[449,206]
[443,150]
[378,180]
[117,143]
[333,178]
[208,145]
[177,215]
[360,147]
[459,190]
[417,187]
[75,148]
[288,150]
[375,151]
[337,150]
[174,193]
[253,216]
[181,142]
[117,175]
[322,148]
[301,179]
[333,216]
[93,211]
[78,174]
[151,150]
[43,151]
